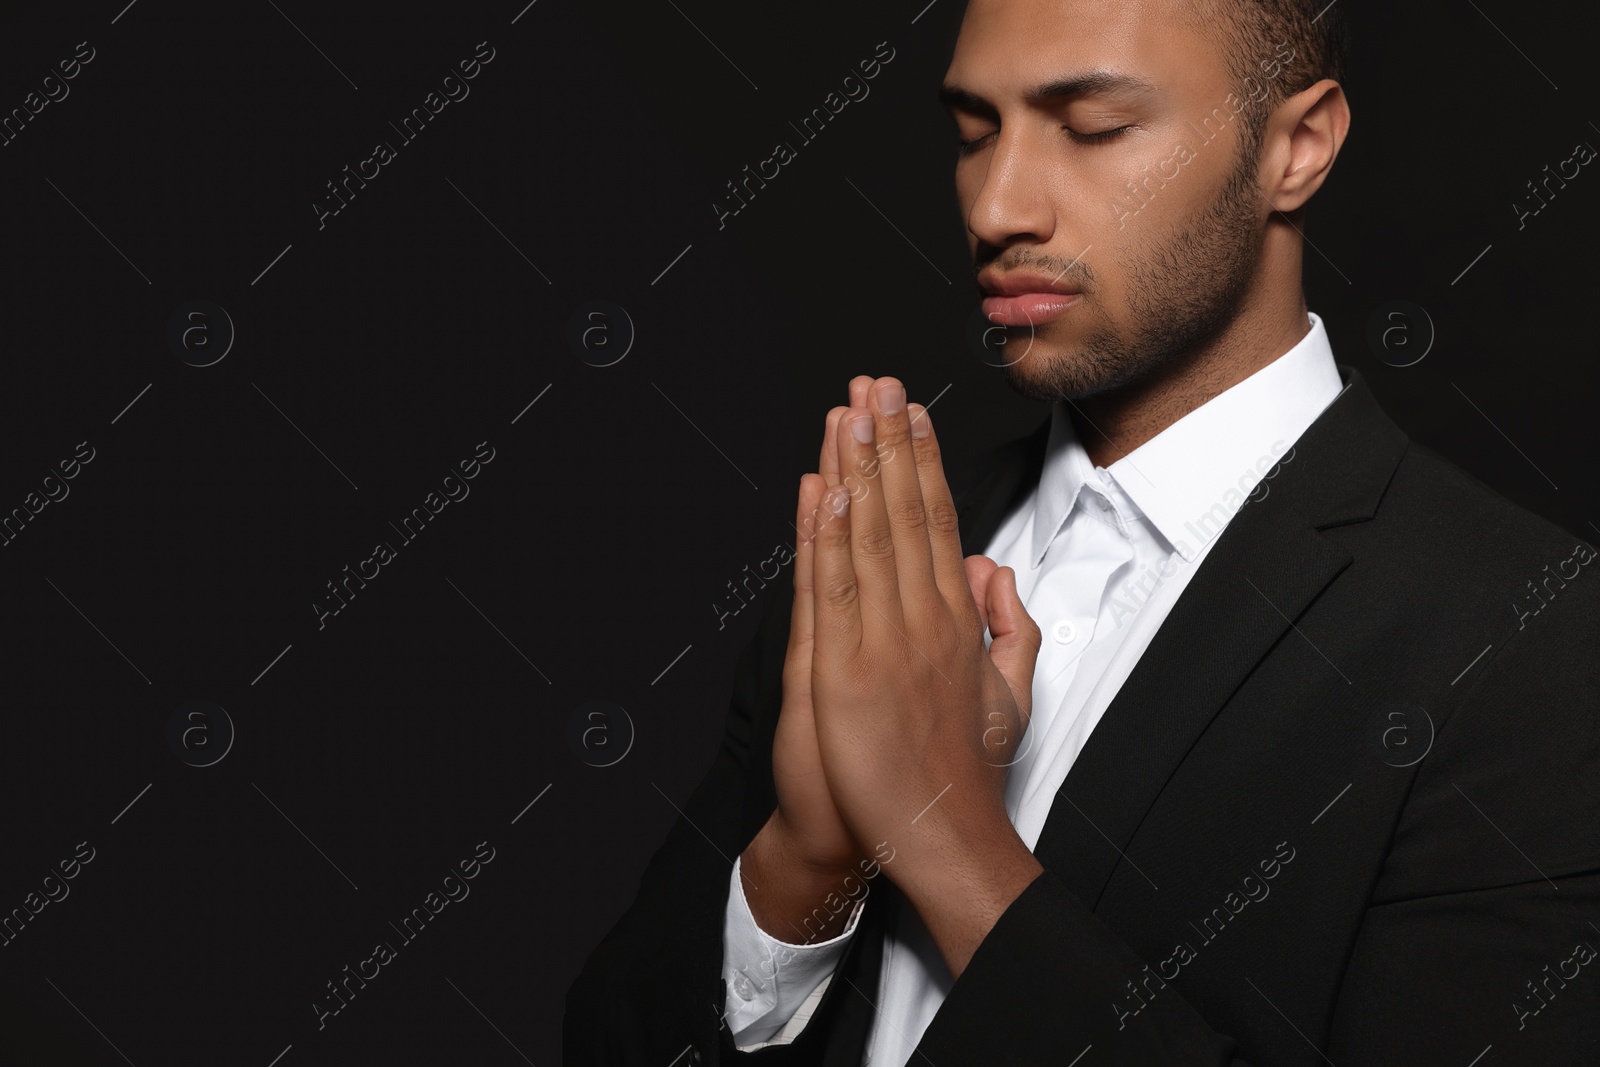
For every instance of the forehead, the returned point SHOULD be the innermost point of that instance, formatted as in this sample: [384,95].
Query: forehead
[1007,48]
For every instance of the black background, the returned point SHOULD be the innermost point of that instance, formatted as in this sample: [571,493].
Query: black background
[588,560]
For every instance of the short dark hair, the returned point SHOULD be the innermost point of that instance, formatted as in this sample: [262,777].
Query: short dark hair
[1254,35]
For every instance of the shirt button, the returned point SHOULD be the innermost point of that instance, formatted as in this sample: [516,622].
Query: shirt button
[741,986]
[1065,632]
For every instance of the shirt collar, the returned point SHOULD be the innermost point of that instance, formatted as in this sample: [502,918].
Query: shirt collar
[1190,478]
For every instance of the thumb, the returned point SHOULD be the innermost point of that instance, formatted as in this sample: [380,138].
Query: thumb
[1016,637]
[979,570]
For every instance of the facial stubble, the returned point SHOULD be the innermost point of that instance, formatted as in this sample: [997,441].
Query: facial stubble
[1181,295]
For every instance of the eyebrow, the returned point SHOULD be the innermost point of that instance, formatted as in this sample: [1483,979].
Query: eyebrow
[1089,83]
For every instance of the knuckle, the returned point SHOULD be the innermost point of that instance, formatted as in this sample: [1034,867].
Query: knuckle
[907,514]
[896,431]
[1035,637]
[942,517]
[840,591]
[875,545]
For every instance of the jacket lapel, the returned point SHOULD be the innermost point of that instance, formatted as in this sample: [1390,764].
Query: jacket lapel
[1267,565]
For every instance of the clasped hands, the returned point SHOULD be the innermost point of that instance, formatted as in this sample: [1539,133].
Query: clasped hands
[897,724]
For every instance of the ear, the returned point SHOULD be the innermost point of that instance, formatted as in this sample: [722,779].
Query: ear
[1303,137]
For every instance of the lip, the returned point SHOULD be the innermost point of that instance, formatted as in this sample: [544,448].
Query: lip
[1022,298]
[993,283]
[1028,308]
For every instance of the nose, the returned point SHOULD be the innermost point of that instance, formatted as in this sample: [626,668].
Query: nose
[1012,202]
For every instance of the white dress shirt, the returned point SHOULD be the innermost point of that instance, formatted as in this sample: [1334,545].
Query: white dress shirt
[1101,554]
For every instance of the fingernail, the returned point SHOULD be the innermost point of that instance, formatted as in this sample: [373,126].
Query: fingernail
[861,428]
[919,422]
[891,398]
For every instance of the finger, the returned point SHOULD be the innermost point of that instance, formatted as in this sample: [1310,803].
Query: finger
[835,594]
[802,614]
[941,518]
[979,569]
[872,548]
[828,461]
[1015,647]
[901,497]
[858,389]
[828,465]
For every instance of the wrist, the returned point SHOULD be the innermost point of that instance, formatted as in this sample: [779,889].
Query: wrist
[804,855]
[960,899]
[793,898]
[988,872]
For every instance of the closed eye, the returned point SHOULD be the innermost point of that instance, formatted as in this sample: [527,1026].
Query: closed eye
[968,147]
[1096,138]
[1100,137]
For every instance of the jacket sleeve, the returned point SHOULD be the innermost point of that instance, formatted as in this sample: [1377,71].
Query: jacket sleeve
[1036,992]
[1483,929]
[1481,932]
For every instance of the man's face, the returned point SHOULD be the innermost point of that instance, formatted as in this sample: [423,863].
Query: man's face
[1158,228]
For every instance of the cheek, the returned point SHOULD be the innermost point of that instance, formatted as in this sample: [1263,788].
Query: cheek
[1114,274]
[1190,198]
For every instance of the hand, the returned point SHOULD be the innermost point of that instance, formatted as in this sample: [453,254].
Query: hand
[807,821]
[904,694]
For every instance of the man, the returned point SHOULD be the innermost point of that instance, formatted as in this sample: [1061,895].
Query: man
[1229,750]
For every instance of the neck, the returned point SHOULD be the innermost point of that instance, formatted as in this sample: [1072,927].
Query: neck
[1114,423]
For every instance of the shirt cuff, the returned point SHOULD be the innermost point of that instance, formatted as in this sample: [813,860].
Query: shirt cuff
[768,980]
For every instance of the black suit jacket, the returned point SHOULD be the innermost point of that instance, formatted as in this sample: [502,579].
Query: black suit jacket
[1345,810]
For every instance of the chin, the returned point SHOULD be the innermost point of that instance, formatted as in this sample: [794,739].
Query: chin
[1052,372]
[1072,370]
